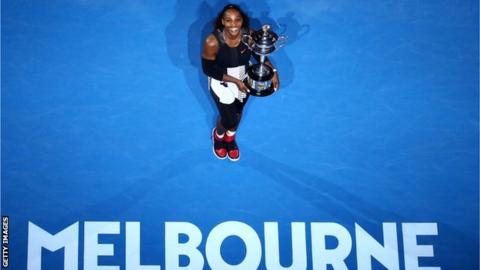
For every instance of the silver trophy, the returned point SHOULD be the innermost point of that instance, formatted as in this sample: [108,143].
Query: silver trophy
[259,76]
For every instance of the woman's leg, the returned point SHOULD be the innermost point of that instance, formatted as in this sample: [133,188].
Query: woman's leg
[232,147]
[227,124]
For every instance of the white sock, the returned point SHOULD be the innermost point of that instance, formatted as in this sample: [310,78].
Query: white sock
[230,133]
[218,135]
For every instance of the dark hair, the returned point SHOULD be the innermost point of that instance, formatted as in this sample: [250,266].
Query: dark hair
[218,21]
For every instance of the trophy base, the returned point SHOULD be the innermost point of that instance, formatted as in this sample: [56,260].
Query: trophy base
[259,93]
[259,80]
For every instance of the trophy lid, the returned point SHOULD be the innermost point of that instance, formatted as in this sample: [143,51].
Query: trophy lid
[265,36]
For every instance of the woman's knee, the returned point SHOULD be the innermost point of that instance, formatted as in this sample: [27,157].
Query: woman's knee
[230,123]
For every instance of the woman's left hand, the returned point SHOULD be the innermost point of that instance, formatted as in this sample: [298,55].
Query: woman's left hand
[275,81]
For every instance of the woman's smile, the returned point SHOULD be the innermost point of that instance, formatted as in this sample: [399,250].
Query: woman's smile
[232,21]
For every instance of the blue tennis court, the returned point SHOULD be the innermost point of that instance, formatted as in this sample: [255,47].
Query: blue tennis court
[106,120]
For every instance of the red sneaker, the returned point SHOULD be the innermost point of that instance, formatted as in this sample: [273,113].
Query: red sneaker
[219,147]
[232,148]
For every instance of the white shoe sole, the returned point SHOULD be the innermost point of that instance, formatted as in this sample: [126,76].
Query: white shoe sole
[231,159]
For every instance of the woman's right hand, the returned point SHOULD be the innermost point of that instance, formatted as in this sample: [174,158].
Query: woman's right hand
[241,86]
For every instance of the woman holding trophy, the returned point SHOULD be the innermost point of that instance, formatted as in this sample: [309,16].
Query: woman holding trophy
[226,56]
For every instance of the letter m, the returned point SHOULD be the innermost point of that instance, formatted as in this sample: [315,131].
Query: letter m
[38,239]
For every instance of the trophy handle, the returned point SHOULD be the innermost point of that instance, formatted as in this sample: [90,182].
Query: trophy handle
[281,42]
[247,40]
[283,28]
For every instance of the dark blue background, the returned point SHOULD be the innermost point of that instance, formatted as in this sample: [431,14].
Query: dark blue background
[106,116]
